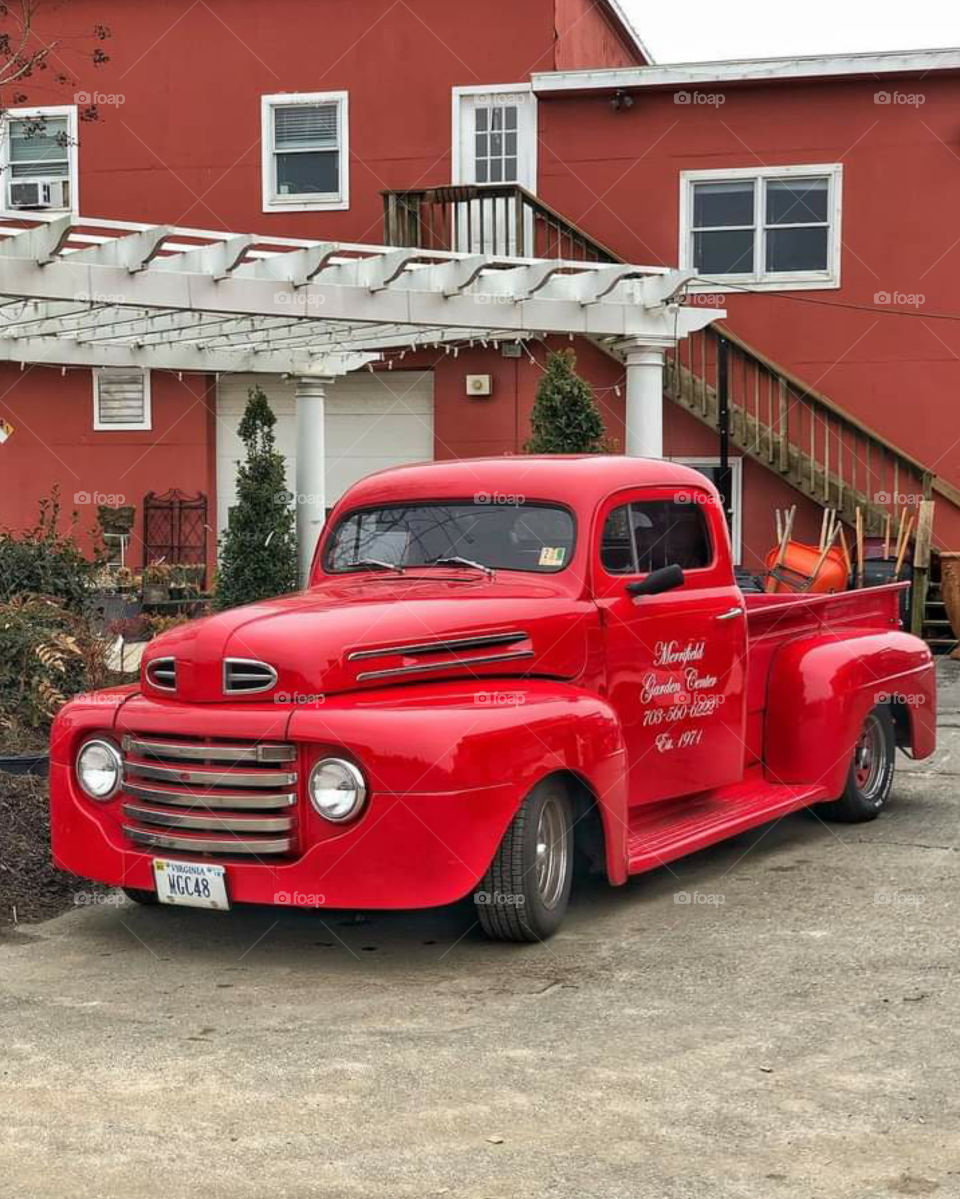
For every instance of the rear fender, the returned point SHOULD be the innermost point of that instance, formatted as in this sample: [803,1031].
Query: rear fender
[820,691]
[498,737]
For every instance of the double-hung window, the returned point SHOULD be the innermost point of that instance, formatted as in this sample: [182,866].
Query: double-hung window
[767,226]
[38,159]
[305,151]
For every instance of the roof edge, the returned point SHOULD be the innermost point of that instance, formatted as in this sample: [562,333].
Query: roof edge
[746,70]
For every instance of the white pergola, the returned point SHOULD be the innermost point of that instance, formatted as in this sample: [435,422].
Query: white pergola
[93,293]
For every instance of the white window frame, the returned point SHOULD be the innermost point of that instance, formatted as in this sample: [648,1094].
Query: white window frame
[72,153]
[112,426]
[736,500]
[459,157]
[272,202]
[758,280]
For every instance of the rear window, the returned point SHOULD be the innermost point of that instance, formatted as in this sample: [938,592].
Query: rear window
[645,536]
[524,536]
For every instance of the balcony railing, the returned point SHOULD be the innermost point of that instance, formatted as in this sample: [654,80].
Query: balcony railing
[498,219]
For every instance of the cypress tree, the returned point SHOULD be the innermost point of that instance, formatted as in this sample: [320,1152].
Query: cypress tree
[258,556]
[565,417]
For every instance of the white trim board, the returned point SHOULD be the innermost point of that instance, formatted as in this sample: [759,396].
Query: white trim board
[823,66]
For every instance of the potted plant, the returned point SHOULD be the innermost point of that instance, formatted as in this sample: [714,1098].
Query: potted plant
[156,583]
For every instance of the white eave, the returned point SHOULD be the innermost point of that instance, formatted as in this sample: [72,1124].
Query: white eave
[750,70]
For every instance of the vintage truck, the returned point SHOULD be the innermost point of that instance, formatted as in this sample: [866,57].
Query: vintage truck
[498,667]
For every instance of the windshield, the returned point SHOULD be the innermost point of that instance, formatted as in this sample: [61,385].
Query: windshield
[525,536]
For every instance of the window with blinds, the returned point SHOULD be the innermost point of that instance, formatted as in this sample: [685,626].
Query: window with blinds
[121,399]
[306,151]
[38,158]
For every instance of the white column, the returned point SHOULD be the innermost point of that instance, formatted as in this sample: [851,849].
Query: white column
[644,407]
[311,467]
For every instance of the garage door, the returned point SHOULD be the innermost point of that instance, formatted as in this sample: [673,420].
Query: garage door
[372,422]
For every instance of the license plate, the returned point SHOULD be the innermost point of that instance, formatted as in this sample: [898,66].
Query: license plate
[191,884]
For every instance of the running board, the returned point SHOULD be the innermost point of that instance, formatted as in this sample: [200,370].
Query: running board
[661,832]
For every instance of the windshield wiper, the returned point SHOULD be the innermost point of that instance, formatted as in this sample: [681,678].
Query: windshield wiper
[374,564]
[456,560]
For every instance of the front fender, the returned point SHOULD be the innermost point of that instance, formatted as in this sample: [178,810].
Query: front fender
[495,737]
[821,689]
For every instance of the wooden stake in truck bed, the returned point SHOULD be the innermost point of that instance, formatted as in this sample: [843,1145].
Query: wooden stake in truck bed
[498,665]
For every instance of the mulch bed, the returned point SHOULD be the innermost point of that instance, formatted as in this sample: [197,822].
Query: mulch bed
[29,884]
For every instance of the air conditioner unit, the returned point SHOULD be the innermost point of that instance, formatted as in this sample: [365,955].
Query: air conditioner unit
[37,193]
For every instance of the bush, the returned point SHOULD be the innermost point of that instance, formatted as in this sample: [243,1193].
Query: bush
[47,655]
[565,417]
[259,554]
[44,561]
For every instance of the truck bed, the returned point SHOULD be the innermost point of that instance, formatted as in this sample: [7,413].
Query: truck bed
[773,620]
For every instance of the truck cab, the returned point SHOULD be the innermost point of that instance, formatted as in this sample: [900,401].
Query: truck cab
[497,667]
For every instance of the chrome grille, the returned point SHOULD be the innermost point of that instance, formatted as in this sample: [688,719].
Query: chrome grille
[210,797]
[162,674]
[244,676]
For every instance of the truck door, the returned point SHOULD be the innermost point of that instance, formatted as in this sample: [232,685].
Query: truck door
[675,662]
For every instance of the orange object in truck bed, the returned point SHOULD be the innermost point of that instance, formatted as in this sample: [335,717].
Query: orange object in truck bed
[796,571]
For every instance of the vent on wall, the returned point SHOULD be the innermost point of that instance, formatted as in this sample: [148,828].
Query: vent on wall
[121,399]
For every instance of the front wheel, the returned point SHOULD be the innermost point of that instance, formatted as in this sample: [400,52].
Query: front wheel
[871,772]
[524,894]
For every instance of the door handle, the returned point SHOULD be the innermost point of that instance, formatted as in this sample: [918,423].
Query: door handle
[730,614]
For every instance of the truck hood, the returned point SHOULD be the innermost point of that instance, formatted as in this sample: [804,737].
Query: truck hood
[374,631]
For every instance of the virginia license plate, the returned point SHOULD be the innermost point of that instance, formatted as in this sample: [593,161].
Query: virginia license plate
[191,884]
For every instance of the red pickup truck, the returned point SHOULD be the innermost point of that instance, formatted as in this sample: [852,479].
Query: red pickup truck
[498,666]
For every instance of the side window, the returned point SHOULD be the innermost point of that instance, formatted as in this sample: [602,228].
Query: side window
[650,534]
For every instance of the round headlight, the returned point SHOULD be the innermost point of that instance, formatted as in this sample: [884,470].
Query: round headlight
[99,769]
[337,789]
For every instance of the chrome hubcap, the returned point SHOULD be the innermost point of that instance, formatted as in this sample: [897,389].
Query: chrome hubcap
[869,759]
[552,852]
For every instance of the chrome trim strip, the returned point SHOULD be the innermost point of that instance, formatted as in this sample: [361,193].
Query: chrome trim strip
[209,822]
[210,778]
[167,666]
[400,671]
[229,673]
[226,799]
[226,846]
[210,753]
[441,647]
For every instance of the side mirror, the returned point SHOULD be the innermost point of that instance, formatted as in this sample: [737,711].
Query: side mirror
[658,581]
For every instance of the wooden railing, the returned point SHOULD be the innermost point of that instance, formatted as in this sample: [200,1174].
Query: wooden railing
[775,418]
[499,219]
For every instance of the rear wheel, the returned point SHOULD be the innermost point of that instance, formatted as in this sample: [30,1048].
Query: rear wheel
[524,894]
[871,772]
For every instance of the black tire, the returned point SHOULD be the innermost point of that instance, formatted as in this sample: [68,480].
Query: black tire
[147,898]
[525,893]
[871,772]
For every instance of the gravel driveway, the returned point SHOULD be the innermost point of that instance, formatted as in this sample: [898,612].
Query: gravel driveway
[791,1030]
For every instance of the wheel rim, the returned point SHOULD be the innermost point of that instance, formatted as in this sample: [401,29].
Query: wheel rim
[869,759]
[552,852]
